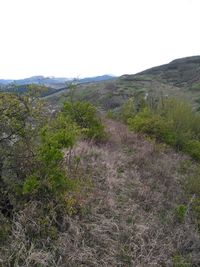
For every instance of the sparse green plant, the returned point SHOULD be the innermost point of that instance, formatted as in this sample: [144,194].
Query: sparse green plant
[192,187]
[180,212]
[192,183]
[195,87]
[179,261]
[110,114]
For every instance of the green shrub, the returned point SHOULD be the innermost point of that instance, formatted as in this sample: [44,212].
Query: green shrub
[152,124]
[128,110]
[49,177]
[172,122]
[192,147]
[85,116]
[30,185]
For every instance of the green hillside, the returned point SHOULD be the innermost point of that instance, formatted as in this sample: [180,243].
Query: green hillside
[180,78]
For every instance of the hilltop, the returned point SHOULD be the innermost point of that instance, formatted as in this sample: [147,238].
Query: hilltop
[184,72]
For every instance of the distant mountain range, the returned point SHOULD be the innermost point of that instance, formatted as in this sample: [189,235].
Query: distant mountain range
[54,81]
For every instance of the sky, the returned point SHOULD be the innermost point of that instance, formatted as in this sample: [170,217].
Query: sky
[79,38]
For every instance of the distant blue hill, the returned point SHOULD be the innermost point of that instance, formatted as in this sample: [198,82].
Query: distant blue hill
[51,81]
[5,81]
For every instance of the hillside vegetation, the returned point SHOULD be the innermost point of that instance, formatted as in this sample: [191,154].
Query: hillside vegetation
[180,79]
[111,184]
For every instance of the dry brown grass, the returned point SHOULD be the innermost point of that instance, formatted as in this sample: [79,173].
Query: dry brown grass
[128,218]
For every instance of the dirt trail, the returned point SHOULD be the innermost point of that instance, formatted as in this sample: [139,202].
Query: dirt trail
[130,219]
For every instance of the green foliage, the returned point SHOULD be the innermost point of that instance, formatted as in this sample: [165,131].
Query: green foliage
[30,185]
[180,212]
[110,114]
[58,134]
[21,117]
[152,124]
[128,109]
[195,87]
[180,261]
[31,150]
[192,147]
[172,122]
[85,116]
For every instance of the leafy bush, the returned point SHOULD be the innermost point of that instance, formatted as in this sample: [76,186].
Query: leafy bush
[152,124]
[128,110]
[85,116]
[31,151]
[172,122]
[49,175]
[192,147]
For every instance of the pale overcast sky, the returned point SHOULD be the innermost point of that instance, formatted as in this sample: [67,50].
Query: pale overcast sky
[72,38]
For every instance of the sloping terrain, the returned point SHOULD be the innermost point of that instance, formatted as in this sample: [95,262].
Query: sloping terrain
[184,72]
[131,216]
[131,219]
[180,79]
[134,209]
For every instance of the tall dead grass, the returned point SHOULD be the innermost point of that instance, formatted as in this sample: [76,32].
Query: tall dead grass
[128,217]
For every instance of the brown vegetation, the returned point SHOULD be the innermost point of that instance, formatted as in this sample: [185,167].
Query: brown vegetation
[128,215]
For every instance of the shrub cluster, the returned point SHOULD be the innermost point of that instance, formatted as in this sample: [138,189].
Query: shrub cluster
[32,164]
[170,121]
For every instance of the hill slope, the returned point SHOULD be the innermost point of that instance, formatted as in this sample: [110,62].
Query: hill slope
[180,78]
[130,217]
[184,72]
